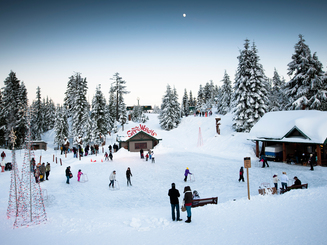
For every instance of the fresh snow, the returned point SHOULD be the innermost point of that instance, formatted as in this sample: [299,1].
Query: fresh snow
[91,213]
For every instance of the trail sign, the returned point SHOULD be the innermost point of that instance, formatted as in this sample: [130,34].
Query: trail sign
[247,162]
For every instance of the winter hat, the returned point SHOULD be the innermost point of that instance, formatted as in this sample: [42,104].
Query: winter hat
[274,176]
[295,177]
[173,185]
[186,168]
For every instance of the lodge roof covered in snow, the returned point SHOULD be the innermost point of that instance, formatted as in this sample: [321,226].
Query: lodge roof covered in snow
[300,126]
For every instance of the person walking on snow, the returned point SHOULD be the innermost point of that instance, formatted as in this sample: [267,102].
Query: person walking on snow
[47,171]
[79,174]
[188,199]
[128,176]
[68,174]
[284,180]
[275,181]
[112,179]
[187,172]
[173,194]
[3,155]
[241,175]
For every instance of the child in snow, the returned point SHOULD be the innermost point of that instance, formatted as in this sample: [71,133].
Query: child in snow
[147,157]
[241,175]
[187,172]
[128,176]
[79,174]
[110,156]
[106,157]
[275,181]
[112,179]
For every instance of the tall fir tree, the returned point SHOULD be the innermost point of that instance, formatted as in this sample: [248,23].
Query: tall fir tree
[307,88]
[169,117]
[70,93]
[14,107]
[250,90]
[191,99]
[80,107]
[185,107]
[61,125]
[111,115]
[277,98]
[98,116]
[2,124]
[37,119]
[200,99]
[119,88]
[225,98]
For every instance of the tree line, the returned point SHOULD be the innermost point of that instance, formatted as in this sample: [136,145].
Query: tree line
[249,98]
[253,94]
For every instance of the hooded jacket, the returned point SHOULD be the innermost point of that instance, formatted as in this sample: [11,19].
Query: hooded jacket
[173,193]
[188,198]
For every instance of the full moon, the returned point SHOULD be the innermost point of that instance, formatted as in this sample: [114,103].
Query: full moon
[184,15]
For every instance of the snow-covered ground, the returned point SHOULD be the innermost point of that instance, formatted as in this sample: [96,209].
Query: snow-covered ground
[90,213]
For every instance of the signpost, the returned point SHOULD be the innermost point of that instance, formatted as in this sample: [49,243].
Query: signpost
[247,165]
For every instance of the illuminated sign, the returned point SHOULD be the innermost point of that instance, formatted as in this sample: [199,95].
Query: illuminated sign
[139,128]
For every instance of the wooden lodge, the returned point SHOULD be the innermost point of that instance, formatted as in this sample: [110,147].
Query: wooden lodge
[296,134]
[140,137]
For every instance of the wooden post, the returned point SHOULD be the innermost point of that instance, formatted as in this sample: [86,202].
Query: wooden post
[318,155]
[60,162]
[247,165]
[53,158]
[284,152]
[257,148]
[56,160]
[40,159]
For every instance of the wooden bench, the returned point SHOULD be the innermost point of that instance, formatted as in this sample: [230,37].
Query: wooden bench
[204,201]
[288,188]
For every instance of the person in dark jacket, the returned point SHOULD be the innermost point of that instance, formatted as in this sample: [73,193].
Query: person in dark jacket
[297,181]
[241,175]
[68,173]
[128,176]
[311,161]
[188,200]
[173,193]
[42,172]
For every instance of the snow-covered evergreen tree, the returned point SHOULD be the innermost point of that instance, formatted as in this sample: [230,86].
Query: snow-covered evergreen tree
[49,110]
[225,98]
[98,116]
[277,98]
[37,119]
[2,124]
[119,88]
[307,88]
[14,104]
[69,99]
[111,109]
[61,126]
[200,100]
[250,90]
[169,116]
[79,108]
[192,101]
[122,110]
[185,107]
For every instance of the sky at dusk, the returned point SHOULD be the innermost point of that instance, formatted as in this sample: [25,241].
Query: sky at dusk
[149,43]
